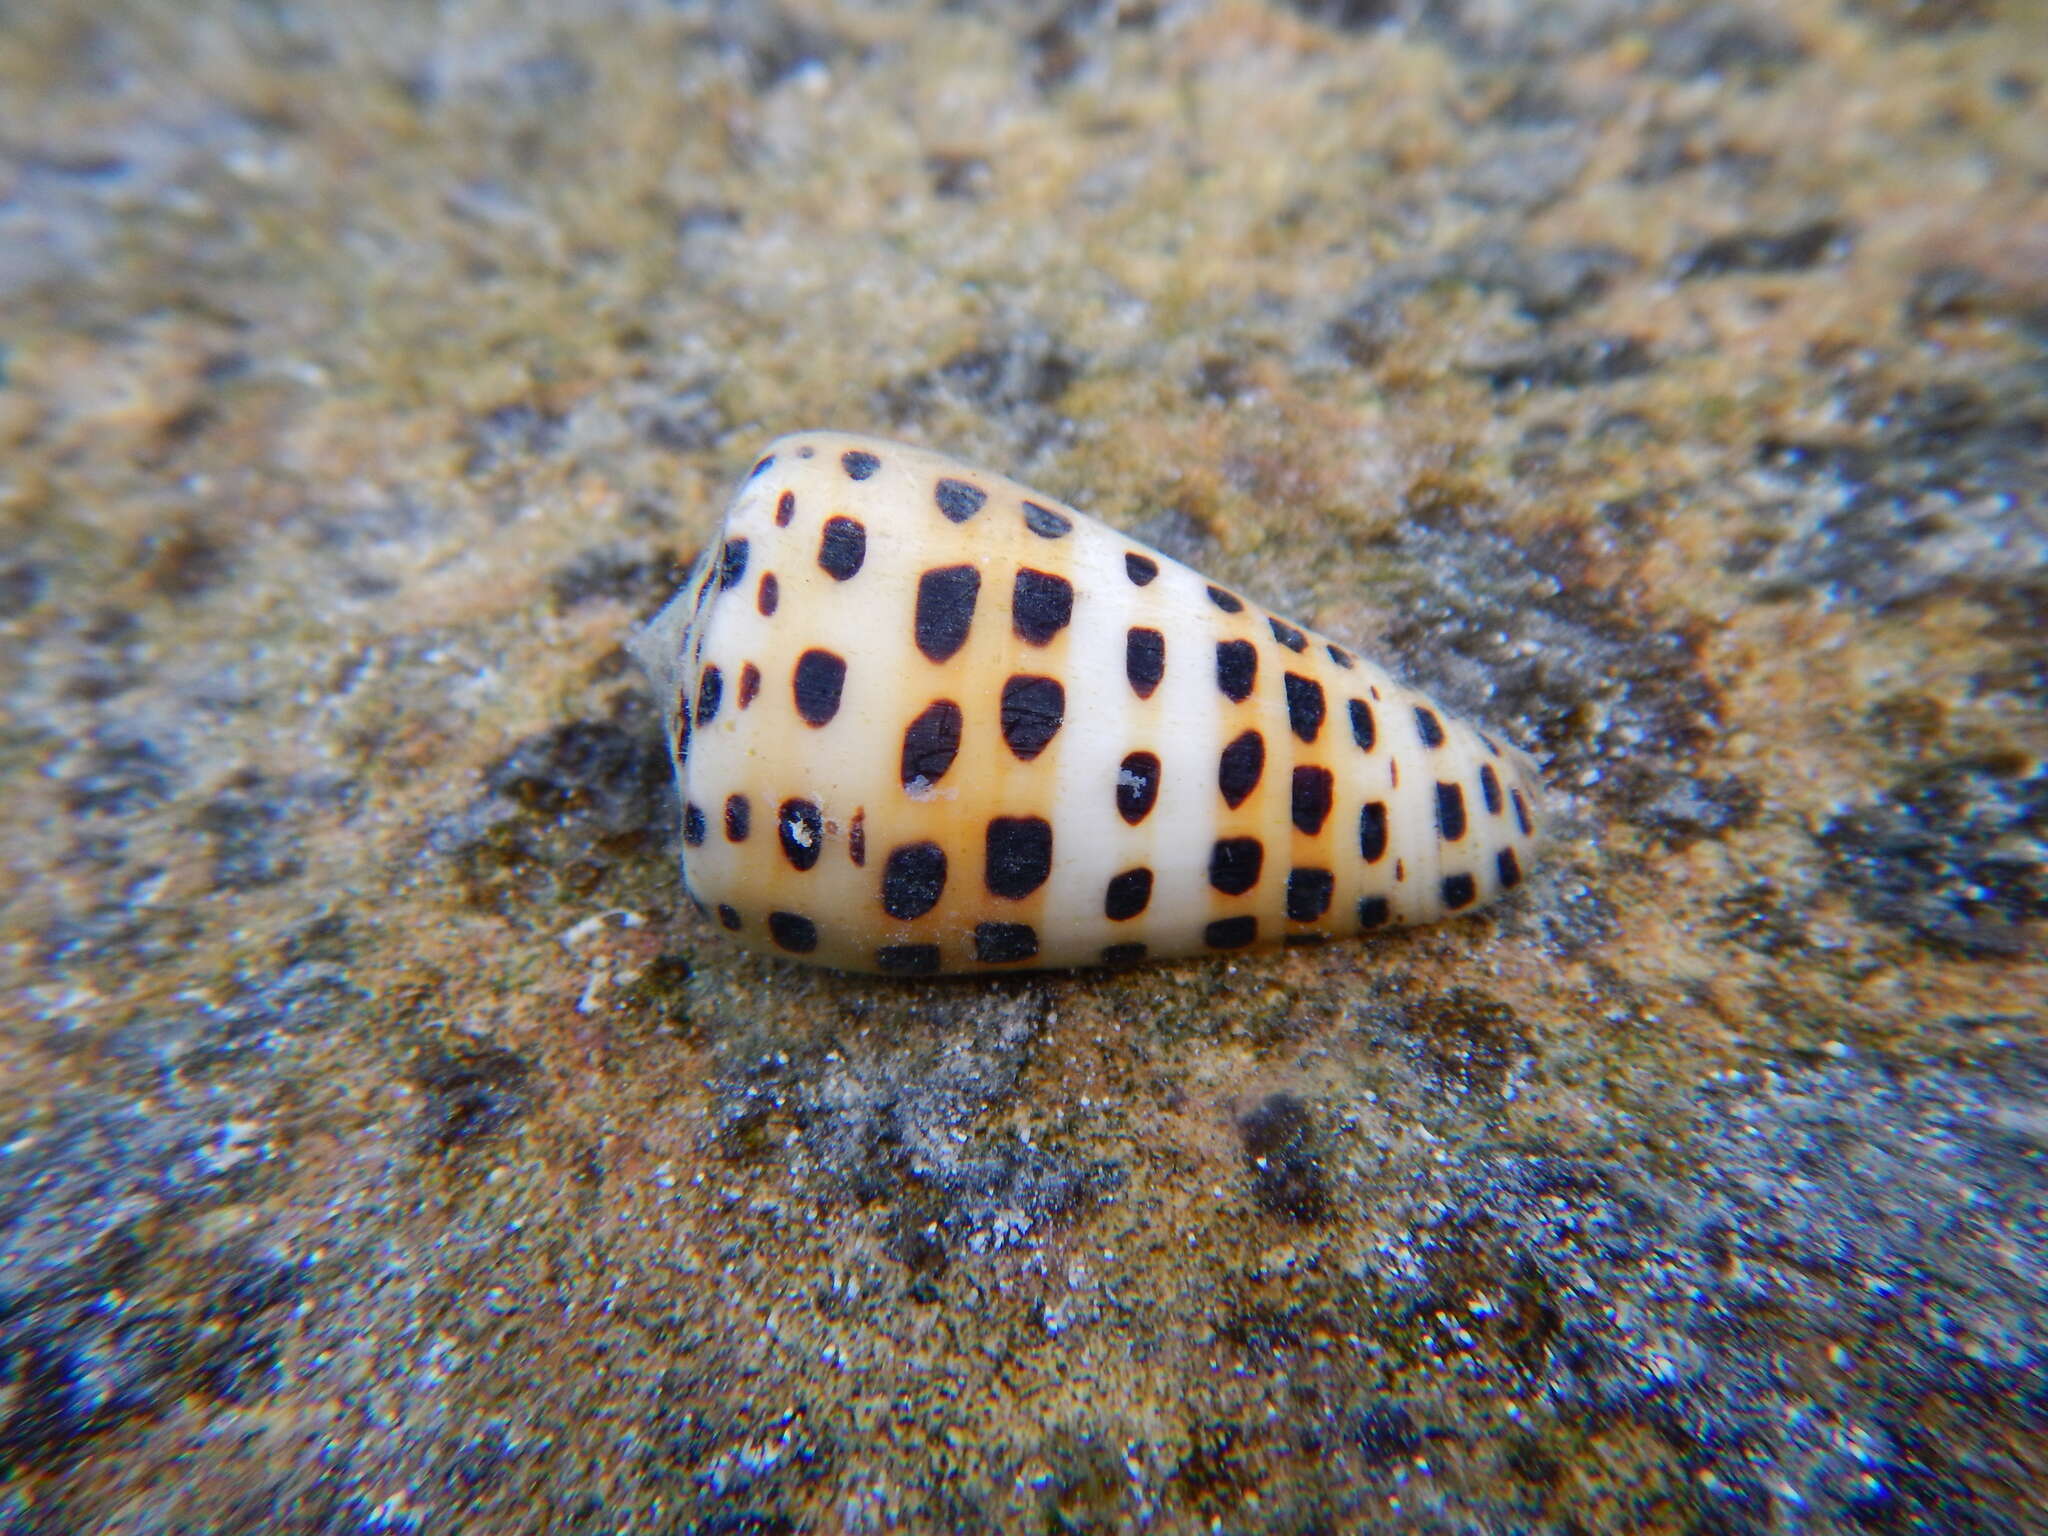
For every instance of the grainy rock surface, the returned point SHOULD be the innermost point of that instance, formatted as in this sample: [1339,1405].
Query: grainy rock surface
[384,1147]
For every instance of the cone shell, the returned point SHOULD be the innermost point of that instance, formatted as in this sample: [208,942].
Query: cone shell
[927,720]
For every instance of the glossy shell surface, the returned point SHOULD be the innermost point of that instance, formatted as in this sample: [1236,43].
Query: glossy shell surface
[927,720]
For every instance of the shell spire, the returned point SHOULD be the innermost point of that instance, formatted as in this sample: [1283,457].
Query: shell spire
[927,720]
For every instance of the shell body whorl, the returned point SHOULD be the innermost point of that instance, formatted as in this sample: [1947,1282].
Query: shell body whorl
[925,719]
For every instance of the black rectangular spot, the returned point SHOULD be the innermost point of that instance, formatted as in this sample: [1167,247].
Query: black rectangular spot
[1428,727]
[793,932]
[1123,954]
[1489,788]
[1144,660]
[1459,891]
[816,685]
[913,879]
[710,690]
[1240,767]
[1018,855]
[959,500]
[1237,669]
[1313,790]
[1137,786]
[1304,705]
[1128,895]
[859,464]
[1450,812]
[732,564]
[1509,869]
[1034,708]
[1234,864]
[908,959]
[1041,605]
[1045,522]
[1005,943]
[1372,831]
[800,827]
[930,743]
[842,548]
[1308,894]
[1373,912]
[1140,568]
[1362,730]
[945,609]
[1231,932]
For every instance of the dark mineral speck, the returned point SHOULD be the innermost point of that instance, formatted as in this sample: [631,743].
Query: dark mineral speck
[1281,1153]
[470,1092]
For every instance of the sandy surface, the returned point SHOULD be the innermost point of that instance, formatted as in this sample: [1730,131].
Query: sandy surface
[386,1147]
